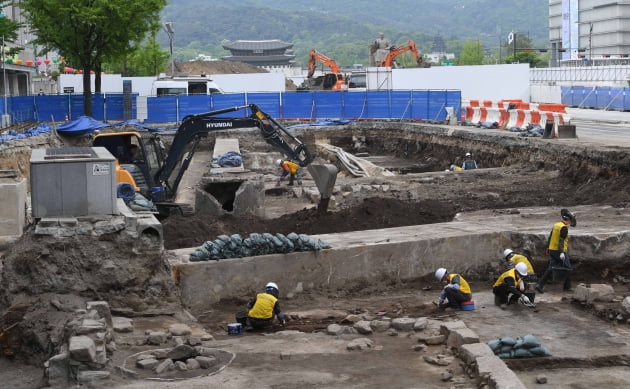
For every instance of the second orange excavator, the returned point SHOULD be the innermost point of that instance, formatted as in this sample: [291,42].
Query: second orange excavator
[334,80]
[395,51]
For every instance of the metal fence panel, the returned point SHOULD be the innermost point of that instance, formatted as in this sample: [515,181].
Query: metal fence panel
[378,104]
[355,105]
[161,109]
[328,105]
[312,105]
[268,102]
[298,105]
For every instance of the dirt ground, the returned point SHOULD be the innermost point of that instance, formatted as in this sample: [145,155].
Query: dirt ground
[37,271]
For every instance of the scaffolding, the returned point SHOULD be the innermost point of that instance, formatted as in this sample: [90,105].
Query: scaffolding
[613,75]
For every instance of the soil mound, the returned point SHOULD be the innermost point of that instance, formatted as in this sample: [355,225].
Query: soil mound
[371,213]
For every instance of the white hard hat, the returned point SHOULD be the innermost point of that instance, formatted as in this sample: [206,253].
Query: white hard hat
[271,285]
[278,162]
[507,252]
[468,155]
[521,268]
[440,273]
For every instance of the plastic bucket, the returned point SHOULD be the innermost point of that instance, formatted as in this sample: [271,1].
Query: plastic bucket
[559,274]
[467,305]
[235,328]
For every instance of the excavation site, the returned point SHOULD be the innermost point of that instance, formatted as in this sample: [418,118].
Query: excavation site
[140,300]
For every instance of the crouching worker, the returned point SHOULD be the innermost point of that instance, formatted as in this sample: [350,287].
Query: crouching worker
[455,292]
[291,169]
[509,287]
[262,309]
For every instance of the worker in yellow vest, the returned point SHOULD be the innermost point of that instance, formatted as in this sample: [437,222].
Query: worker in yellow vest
[513,259]
[263,308]
[291,169]
[455,292]
[509,287]
[557,249]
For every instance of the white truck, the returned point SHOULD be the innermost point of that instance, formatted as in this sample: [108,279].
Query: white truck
[189,85]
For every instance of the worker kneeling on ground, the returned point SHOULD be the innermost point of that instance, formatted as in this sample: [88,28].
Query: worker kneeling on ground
[291,169]
[262,309]
[514,259]
[509,288]
[456,291]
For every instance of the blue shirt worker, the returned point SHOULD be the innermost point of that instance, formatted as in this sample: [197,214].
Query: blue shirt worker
[455,292]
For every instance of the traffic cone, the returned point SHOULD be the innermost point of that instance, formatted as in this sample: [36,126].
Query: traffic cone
[67,118]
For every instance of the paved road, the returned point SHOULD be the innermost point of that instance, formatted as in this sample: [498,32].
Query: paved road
[610,128]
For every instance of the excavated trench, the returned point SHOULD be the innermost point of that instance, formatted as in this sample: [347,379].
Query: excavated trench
[515,172]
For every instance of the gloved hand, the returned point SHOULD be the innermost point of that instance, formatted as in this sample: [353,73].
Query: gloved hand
[562,257]
[282,322]
[524,300]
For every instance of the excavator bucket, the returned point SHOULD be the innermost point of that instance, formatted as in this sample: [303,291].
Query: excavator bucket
[325,176]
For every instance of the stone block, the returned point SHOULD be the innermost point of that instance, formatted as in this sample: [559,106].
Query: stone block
[403,323]
[88,376]
[58,370]
[447,327]
[470,352]
[122,324]
[461,336]
[147,364]
[82,348]
[102,307]
[206,362]
[165,365]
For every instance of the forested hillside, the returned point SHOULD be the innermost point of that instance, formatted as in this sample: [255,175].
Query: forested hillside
[343,30]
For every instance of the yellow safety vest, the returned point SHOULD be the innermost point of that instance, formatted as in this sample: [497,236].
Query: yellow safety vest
[510,273]
[518,258]
[263,308]
[555,242]
[290,167]
[463,285]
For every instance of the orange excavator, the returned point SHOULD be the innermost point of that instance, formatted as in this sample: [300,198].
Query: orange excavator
[395,51]
[334,80]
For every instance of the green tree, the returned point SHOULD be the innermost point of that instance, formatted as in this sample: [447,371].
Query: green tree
[146,60]
[472,53]
[86,32]
[8,30]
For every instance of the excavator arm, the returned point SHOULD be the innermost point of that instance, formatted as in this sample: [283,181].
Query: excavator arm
[195,127]
[333,80]
[396,51]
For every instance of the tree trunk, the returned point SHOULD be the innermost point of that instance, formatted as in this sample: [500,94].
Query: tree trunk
[87,92]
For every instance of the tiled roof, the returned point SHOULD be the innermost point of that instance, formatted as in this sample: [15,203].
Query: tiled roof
[273,44]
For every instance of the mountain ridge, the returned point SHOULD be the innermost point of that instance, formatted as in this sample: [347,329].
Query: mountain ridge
[344,33]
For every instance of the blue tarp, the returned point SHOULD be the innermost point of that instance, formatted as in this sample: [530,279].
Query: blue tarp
[81,126]
[140,125]
[33,131]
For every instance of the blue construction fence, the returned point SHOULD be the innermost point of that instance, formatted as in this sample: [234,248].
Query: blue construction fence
[601,97]
[391,104]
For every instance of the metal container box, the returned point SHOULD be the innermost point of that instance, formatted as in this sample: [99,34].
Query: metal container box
[75,181]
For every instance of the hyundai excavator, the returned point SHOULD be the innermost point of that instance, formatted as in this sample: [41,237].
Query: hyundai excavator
[152,169]
[334,80]
[395,51]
